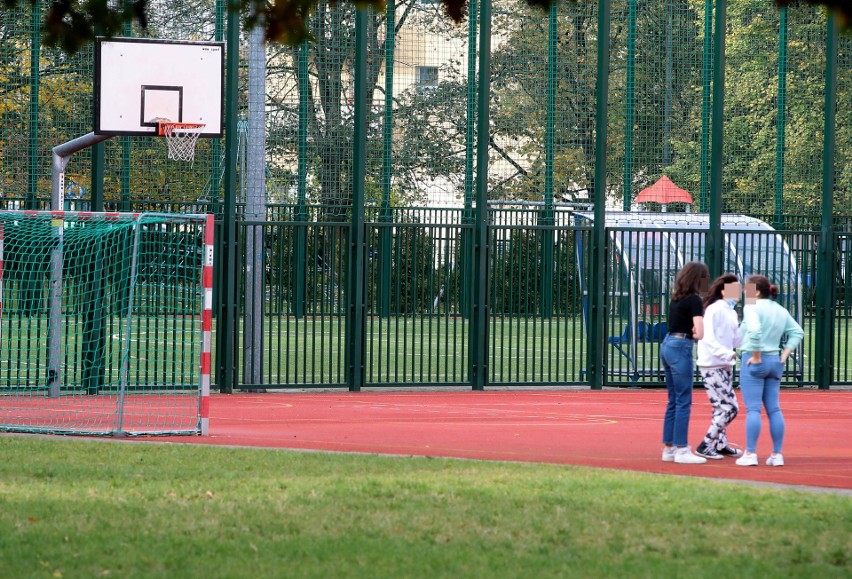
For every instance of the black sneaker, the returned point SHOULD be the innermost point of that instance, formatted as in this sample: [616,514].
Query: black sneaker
[728,451]
[707,452]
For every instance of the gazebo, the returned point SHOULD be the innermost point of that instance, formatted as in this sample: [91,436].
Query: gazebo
[664,191]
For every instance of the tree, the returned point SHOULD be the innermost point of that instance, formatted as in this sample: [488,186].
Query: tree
[63,88]
[71,24]
[753,118]
[519,99]
[329,68]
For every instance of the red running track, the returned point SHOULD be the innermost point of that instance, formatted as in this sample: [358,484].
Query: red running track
[617,429]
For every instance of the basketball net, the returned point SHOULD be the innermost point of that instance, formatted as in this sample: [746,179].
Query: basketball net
[181,139]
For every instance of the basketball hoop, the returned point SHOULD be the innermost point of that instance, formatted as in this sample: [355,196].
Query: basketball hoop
[181,138]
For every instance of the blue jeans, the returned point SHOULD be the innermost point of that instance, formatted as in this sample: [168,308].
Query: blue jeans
[676,356]
[761,385]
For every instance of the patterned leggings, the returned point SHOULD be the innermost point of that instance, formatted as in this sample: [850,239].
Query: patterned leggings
[719,384]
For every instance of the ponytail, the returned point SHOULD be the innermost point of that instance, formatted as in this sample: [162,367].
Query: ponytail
[764,288]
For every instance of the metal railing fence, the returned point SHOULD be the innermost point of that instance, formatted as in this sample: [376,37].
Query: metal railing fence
[417,328]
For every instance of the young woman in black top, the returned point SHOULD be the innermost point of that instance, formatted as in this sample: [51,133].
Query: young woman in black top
[685,326]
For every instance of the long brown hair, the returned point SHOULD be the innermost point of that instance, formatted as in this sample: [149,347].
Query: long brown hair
[714,294]
[689,280]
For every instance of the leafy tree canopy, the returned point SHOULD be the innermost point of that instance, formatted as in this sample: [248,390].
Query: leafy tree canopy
[70,24]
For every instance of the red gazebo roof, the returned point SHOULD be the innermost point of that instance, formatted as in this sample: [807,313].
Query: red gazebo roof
[664,191]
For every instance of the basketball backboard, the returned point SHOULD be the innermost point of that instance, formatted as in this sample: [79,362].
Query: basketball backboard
[139,81]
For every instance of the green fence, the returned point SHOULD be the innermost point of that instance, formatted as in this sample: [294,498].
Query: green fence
[418,322]
[413,219]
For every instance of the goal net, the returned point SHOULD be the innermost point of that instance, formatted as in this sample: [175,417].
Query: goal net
[105,322]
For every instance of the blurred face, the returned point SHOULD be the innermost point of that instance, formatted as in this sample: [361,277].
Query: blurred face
[732,291]
[750,293]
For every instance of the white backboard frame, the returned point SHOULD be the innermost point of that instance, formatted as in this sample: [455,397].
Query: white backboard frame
[139,79]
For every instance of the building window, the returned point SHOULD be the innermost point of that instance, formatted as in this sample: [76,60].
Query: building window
[427,76]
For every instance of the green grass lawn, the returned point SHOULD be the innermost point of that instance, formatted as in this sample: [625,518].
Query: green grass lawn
[83,508]
[421,349]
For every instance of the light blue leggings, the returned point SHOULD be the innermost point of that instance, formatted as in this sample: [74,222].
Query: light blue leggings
[761,386]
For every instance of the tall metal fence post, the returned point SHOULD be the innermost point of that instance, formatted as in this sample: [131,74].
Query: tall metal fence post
[547,218]
[384,289]
[216,145]
[97,190]
[29,282]
[596,323]
[300,233]
[479,309]
[126,152]
[466,250]
[356,282]
[226,327]
[93,314]
[255,209]
[825,258]
[97,164]
[126,147]
[31,201]
[706,76]
[715,239]
[629,98]
[667,100]
[781,123]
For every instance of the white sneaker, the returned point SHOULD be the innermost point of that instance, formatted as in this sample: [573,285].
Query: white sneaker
[683,455]
[748,459]
[668,453]
[775,460]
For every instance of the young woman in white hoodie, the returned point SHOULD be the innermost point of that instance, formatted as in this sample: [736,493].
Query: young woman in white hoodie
[716,357]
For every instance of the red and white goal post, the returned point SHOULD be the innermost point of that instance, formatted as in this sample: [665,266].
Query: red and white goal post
[105,322]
